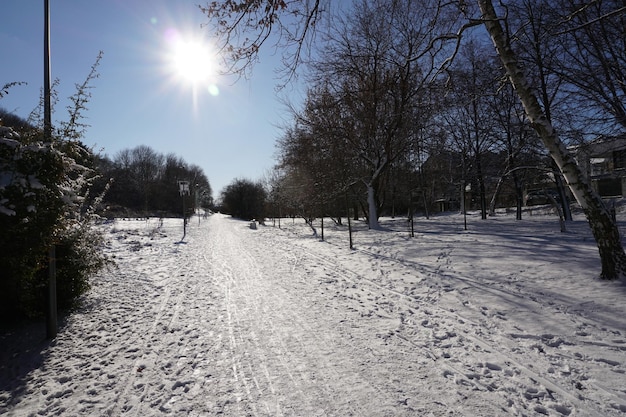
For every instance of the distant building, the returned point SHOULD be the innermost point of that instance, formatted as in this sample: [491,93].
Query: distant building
[604,162]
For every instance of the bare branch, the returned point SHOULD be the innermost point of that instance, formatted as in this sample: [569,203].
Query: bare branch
[4,90]
[592,21]
[232,20]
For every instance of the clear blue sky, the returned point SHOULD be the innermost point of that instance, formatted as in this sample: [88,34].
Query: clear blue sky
[138,99]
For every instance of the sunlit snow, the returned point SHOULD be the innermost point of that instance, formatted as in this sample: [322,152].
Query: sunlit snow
[505,318]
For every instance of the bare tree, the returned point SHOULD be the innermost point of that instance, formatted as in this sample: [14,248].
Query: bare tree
[541,53]
[244,199]
[314,161]
[468,116]
[516,141]
[376,66]
[592,37]
[602,225]
[236,17]
[146,168]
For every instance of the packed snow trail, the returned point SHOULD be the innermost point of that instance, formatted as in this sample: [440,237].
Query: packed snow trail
[241,322]
[226,323]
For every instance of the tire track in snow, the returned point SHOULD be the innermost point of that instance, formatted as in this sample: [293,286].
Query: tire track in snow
[290,362]
[246,352]
[407,395]
[187,343]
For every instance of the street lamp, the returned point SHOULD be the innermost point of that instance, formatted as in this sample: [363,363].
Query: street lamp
[51,311]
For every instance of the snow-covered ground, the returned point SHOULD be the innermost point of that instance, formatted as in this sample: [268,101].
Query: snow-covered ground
[505,318]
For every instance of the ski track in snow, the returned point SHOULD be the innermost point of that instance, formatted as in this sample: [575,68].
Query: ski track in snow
[273,322]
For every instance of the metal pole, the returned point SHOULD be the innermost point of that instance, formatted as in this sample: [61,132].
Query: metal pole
[349,223]
[197,209]
[51,315]
[184,218]
[51,311]
[412,233]
[463,206]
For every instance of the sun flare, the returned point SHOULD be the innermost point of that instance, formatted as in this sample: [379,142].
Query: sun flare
[191,61]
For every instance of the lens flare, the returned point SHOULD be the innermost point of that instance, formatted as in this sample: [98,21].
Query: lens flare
[214,90]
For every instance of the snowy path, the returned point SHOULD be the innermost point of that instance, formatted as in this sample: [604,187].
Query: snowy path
[272,322]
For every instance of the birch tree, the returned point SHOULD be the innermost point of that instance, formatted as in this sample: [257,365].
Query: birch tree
[602,225]
[540,51]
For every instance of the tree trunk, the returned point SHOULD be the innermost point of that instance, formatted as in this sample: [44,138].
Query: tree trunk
[602,225]
[372,211]
[519,196]
[496,193]
[567,211]
[481,188]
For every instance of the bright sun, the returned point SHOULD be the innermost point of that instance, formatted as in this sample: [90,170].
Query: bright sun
[192,61]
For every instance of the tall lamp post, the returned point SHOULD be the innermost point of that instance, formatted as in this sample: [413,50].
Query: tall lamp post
[51,311]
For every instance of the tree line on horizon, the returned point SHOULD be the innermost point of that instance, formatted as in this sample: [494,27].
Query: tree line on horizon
[145,183]
[139,181]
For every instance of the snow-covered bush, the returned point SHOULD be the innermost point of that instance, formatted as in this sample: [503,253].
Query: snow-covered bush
[42,203]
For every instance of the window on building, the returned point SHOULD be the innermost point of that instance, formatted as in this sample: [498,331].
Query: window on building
[619,159]
[610,187]
[599,166]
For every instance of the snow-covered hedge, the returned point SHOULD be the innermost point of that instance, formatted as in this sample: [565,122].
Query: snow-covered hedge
[42,188]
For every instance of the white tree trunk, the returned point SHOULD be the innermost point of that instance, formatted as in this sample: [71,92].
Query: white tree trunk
[371,207]
[604,229]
